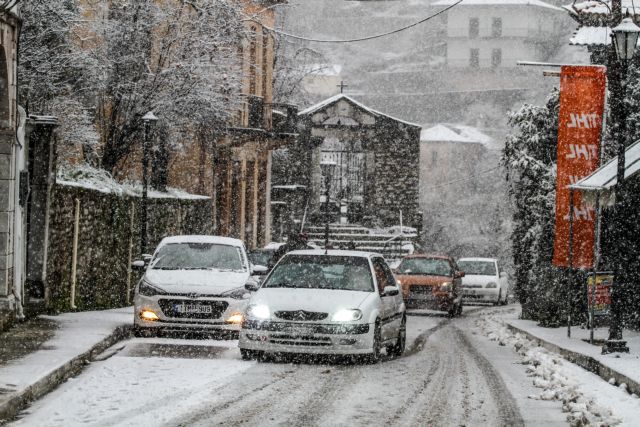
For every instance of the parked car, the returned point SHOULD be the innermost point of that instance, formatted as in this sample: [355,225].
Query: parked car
[484,282]
[431,281]
[263,256]
[193,283]
[326,302]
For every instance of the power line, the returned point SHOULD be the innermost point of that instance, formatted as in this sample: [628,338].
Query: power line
[360,39]
[462,179]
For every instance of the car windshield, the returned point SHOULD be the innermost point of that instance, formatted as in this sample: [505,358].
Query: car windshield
[322,271]
[198,256]
[478,268]
[260,257]
[428,266]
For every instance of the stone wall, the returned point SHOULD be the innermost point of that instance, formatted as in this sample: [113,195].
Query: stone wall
[108,230]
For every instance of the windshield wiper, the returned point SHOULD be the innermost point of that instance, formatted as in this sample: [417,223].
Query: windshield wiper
[281,285]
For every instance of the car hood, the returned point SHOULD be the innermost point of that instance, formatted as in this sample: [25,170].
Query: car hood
[475,279]
[420,279]
[209,282]
[317,300]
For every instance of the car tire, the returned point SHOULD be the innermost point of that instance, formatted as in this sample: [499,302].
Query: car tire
[247,354]
[374,357]
[397,349]
[499,300]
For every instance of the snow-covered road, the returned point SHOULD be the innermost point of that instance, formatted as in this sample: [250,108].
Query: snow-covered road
[452,374]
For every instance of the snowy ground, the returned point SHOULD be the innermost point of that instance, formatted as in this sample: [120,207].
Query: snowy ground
[455,372]
[586,398]
[76,334]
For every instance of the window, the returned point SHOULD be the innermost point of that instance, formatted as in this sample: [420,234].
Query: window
[496,27]
[434,158]
[474,27]
[384,277]
[474,58]
[496,57]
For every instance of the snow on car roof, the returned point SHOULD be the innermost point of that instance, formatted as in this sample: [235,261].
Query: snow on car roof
[360,254]
[478,259]
[202,239]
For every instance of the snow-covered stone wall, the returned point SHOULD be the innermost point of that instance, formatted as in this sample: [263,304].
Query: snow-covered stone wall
[108,239]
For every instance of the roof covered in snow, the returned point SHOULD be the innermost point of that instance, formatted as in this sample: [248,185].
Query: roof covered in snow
[329,101]
[535,3]
[605,178]
[592,36]
[454,133]
[597,7]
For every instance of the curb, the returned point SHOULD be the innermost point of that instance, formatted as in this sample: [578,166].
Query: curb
[582,360]
[14,403]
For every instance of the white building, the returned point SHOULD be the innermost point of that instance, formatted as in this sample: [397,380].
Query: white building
[498,33]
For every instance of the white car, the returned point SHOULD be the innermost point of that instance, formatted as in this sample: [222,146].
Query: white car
[193,283]
[483,280]
[326,302]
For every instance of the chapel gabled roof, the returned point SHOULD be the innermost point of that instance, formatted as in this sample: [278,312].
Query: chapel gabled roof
[334,99]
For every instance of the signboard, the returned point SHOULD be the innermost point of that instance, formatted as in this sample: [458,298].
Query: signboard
[599,292]
[582,96]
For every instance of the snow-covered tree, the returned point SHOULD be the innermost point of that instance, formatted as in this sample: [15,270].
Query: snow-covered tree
[179,59]
[529,158]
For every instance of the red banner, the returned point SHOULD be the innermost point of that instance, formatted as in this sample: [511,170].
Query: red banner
[582,95]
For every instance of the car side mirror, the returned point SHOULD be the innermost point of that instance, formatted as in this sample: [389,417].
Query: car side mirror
[390,291]
[138,265]
[259,270]
[458,274]
[147,257]
[251,286]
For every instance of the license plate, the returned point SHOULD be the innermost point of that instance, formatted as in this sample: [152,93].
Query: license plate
[297,330]
[193,309]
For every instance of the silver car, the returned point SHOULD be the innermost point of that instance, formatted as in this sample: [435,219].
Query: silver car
[193,283]
[326,302]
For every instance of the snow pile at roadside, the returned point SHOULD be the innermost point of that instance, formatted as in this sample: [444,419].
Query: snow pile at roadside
[549,373]
[85,176]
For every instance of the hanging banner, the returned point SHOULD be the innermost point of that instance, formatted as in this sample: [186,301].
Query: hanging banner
[582,96]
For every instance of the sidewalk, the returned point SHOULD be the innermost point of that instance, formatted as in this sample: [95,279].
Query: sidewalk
[621,367]
[40,354]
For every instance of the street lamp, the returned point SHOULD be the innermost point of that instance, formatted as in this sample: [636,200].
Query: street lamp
[148,120]
[624,38]
[327,167]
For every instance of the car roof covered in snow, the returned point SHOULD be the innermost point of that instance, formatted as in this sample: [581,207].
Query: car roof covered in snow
[478,259]
[335,252]
[202,239]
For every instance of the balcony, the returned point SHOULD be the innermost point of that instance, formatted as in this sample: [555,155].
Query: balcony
[255,115]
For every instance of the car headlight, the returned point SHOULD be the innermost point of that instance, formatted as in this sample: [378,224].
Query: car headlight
[147,289]
[446,287]
[347,315]
[258,311]
[491,285]
[237,293]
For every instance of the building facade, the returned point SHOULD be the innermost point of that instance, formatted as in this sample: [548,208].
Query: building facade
[374,180]
[10,159]
[497,34]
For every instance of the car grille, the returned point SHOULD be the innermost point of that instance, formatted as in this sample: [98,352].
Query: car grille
[472,286]
[340,329]
[305,340]
[418,289]
[301,315]
[169,308]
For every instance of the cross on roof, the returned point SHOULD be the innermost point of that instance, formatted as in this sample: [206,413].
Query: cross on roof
[342,86]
